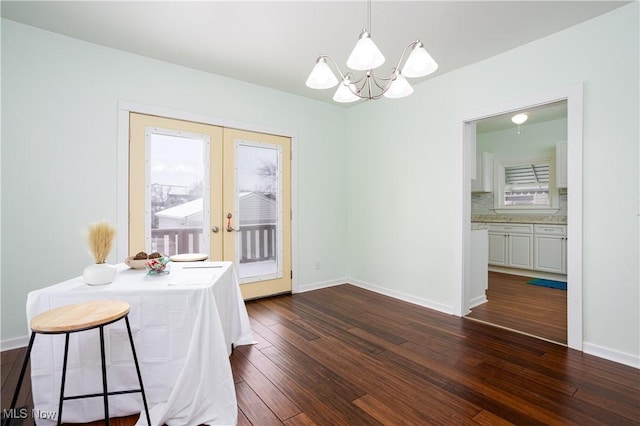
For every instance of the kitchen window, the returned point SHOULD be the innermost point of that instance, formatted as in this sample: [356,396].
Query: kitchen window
[526,186]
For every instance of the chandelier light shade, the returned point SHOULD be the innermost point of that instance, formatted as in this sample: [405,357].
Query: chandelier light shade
[367,57]
[399,88]
[321,77]
[346,92]
[419,63]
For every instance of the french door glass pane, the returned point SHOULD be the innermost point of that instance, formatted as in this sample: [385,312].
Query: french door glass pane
[176,192]
[258,200]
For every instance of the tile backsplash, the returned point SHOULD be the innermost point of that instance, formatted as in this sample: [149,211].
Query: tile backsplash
[482,203]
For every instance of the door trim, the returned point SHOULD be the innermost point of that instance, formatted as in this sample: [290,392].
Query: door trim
[574,97]
[122,187]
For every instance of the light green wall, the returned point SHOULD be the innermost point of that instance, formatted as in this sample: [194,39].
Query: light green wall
[534,141]
[378,183]
[59,169]
[405,171]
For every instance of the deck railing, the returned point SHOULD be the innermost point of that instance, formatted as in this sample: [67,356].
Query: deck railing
[176,240]
[257,242]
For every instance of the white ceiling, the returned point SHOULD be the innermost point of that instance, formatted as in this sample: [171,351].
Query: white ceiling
[536,115]
[276,43]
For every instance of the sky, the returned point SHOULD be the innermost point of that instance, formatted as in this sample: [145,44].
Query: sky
[179,161]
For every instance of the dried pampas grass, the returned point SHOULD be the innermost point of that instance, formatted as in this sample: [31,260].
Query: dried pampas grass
[100,240]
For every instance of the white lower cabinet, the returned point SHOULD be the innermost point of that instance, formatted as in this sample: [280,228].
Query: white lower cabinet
[550,248]
[526,246]
[498,249]
[511,245]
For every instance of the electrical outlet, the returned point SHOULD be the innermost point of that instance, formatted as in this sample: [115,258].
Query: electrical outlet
[317,264]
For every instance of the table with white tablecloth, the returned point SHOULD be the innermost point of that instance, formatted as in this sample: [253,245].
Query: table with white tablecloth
[184,325]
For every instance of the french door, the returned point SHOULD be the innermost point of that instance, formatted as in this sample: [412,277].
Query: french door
[195,188]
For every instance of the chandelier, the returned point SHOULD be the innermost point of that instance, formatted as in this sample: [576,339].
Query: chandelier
[367,57]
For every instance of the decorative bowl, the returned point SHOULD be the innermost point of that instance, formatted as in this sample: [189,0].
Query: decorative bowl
[157,266]
[136,263]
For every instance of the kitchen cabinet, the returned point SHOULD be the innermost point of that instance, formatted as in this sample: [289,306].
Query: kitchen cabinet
[550,248]
[561,165]
[483,181]
[511,245]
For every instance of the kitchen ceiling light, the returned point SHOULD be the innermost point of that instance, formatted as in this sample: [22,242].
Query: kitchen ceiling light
[366,57]
[518,118]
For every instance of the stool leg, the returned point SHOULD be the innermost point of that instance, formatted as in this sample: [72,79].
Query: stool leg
[135,359]
[64,376]
[14,400]
[104,377]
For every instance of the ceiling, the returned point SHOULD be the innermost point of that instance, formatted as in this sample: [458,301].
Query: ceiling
[275,43]
[535,115]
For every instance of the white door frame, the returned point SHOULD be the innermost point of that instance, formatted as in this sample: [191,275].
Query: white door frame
[574,97]
[122,191]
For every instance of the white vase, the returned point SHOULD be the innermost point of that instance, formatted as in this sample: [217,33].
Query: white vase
[99,273]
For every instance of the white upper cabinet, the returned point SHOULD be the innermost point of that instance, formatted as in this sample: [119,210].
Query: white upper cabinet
[561,165]
[484,173]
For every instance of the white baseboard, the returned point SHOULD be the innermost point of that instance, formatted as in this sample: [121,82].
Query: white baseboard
[477,301]
[15,343]
[318,285]
[528,273]
[362,284]
[447,309]
[612,355]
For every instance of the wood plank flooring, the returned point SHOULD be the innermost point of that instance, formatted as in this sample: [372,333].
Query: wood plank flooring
[514,304]
[347,356]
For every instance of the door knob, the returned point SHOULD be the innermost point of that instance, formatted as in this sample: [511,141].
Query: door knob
[215,229]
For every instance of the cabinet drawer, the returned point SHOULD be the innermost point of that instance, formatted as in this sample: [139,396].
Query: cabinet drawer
[511,228]
[551,230]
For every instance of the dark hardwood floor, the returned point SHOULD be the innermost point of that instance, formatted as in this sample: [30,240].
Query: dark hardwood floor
[530,309]
[347,356]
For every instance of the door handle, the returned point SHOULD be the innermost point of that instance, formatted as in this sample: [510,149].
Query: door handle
[215,229]
[229,227]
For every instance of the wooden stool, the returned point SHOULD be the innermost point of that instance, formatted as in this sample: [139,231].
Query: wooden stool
[80,317]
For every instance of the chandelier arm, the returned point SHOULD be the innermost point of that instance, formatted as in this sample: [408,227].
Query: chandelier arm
[383,88]
[404,51]
[369,91]
[360,80]
[342,75]
[378,81]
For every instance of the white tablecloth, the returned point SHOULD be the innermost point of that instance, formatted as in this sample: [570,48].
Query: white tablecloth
[183,334]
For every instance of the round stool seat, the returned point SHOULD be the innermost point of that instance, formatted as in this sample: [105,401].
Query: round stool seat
[80,316]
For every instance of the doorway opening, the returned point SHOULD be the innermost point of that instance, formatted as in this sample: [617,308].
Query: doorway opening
[528,194]
[571,100]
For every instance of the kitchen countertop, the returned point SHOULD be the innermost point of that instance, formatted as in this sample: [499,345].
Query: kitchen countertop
[522,218]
